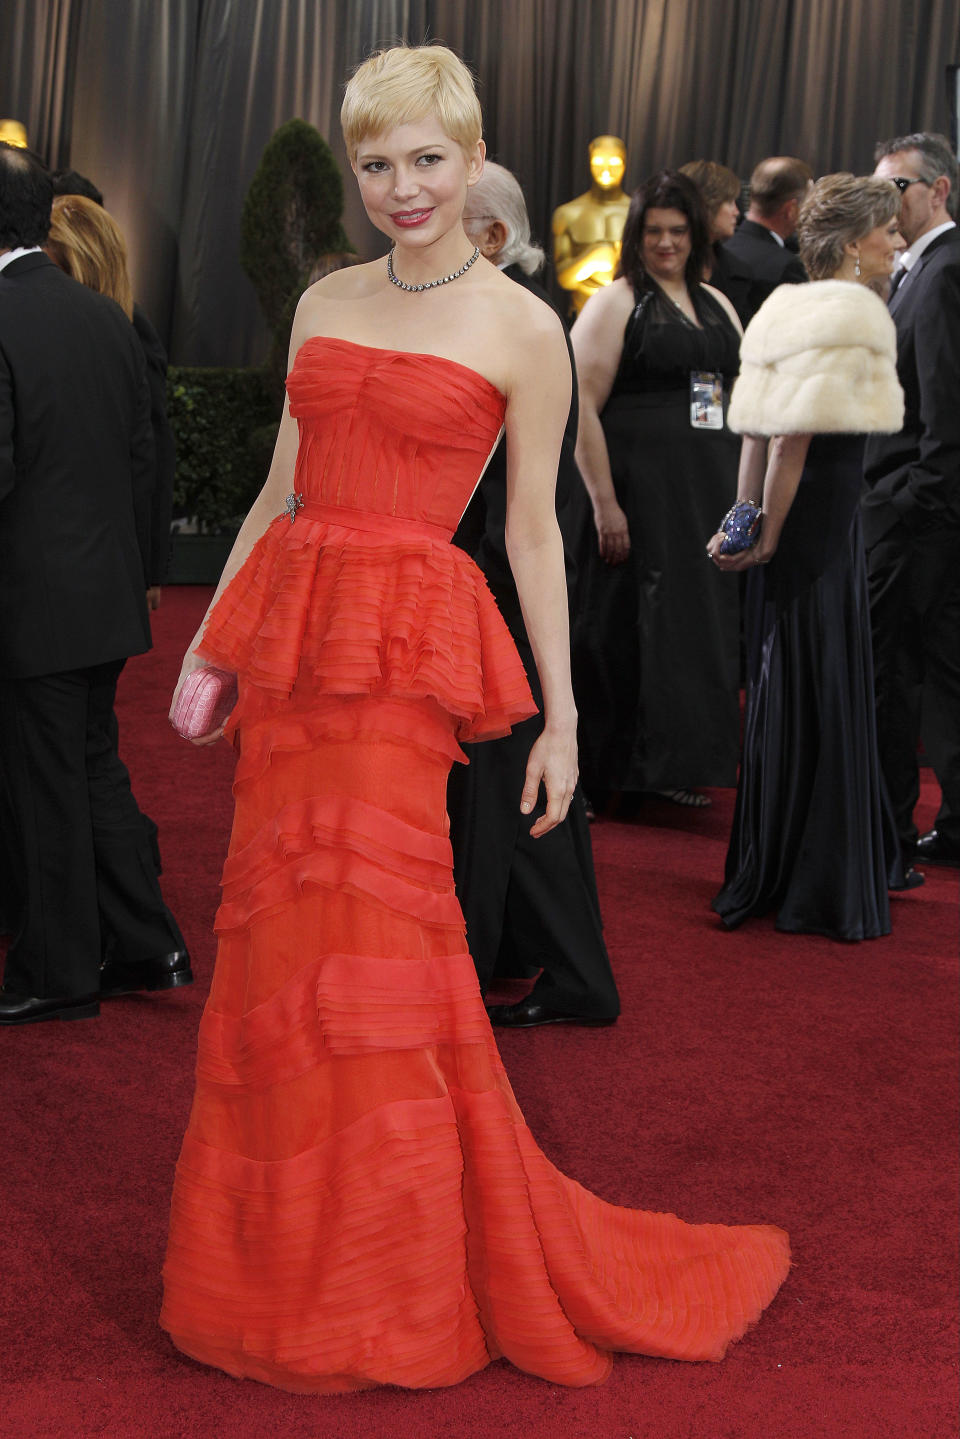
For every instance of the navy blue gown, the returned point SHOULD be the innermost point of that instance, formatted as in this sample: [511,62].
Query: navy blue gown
[813,835]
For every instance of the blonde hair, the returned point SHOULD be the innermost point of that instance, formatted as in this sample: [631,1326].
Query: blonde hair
[86,241]
[840,210]
[405,84]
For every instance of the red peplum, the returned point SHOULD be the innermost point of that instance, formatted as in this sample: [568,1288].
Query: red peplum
[358,1200]
[362,593]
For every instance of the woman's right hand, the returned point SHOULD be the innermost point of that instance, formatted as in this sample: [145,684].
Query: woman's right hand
[191,662]
[613,532]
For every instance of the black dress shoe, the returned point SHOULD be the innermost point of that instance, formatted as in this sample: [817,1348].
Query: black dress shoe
[530,1012]
[912,879]
[935,848]
[26,1009]
[169,971]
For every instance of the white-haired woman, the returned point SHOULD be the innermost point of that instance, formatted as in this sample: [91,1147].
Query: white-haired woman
[813,837]
[496,219]
[528,906]
[358,1201]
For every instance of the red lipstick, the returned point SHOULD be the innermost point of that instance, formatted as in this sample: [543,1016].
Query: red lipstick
[409,218]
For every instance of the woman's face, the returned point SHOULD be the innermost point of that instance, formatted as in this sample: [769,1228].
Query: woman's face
[724,219]
[414,180]
[878,250]
[666,243]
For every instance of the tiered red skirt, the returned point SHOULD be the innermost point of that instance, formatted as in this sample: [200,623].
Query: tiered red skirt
[358,1200]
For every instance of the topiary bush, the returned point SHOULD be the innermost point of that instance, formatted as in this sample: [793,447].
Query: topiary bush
[225,421]
[219,418]
[291,218]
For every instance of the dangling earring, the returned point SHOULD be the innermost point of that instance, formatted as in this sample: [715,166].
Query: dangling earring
[856,268]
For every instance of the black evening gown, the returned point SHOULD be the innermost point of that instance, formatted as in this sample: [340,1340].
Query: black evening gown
[529,904]
[813,834]
[656,641]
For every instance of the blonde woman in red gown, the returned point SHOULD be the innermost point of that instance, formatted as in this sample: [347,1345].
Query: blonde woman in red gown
[358,1200]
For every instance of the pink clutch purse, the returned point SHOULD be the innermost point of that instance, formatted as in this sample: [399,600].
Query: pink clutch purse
[207,697]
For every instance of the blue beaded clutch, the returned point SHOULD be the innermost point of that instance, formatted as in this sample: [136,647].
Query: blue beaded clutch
[741,525]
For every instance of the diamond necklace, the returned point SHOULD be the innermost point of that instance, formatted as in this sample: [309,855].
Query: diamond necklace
[430,284]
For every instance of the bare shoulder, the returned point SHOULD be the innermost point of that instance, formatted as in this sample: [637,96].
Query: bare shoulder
[530,307]
[526,326]
[605,313]
[616,297]
[322,306]
[353,282]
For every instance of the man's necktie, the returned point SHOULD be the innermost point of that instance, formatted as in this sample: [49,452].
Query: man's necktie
[898,280]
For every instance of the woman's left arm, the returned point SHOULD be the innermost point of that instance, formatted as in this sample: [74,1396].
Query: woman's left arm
[537,406]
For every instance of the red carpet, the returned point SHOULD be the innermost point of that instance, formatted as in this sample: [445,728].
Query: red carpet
[753,1076]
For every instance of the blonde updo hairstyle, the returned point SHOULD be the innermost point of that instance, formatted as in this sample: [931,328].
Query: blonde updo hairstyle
[408,83]
[86,241]
[840,210]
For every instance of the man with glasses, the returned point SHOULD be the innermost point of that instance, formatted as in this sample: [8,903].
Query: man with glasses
[911,504]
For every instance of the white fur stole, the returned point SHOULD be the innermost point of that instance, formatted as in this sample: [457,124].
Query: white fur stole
[819,358]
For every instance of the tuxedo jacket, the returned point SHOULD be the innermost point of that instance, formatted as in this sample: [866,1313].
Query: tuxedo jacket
[913,478]
[76,474]
[481,532]
[753,250]
[164,449]
[733,278]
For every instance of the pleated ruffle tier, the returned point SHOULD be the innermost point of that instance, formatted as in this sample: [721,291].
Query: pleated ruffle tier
[346,602]
[358,1200]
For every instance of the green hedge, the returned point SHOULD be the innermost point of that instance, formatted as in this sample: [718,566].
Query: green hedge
[224,423]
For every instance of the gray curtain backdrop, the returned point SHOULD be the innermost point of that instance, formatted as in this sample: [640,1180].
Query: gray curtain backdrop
[168,104]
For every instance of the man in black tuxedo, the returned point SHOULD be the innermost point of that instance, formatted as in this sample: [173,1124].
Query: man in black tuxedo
[911,503]
[71,182]
[76,468]
[528,903]
[759,246]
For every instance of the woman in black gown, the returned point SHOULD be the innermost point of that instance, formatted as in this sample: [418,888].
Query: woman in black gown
[813,837]
[656,641]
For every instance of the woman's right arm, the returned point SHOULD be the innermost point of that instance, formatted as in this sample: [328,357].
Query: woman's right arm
[597,340]
[769,475]
[265,508]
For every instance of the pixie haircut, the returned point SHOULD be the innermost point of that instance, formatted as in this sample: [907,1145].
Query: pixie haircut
[405,84]
[840,210]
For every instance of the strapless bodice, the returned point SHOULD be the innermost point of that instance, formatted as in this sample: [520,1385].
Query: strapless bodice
[388,432]
[360,591]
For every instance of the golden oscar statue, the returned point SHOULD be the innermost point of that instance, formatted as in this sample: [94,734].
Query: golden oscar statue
[14,133]
[587,230]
